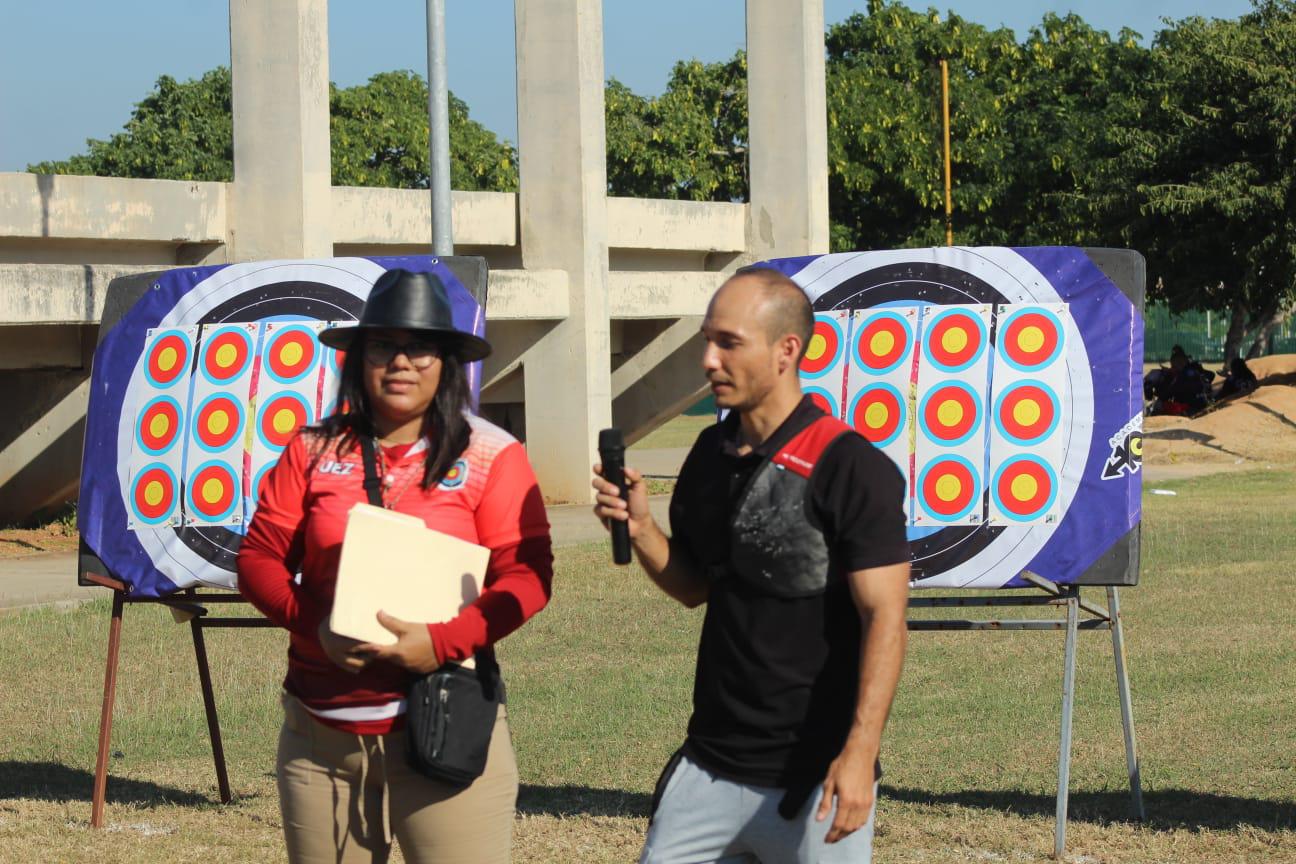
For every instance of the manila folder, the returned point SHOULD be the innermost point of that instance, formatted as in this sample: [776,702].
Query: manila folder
[394,562]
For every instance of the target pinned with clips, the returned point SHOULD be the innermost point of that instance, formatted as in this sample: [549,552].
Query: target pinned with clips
[1030,339]
[825,401]
[1024,489]
[154,495]
[1027,412]
[882,343]
[824,351]
[167,358]
[280,417]
[212,494]
[879,414]
[218,423]
[290,353]
[949,489]
[950,413]
[226,353]
[954,339]
[159,426]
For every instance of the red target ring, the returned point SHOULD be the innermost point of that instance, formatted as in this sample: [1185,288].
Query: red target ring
[213,491]
[823,349]
[218,422]
[291,354]
[280,419]
[226,354]
[949,488]
[951,413]
[159,425]
[154,494]
[1027,413]
[1031,339]
[167,360]
[878,414]
[955,340]
[1024,487]
[882,343]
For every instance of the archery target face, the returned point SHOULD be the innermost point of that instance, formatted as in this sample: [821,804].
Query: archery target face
[218,422]
[280,417]
[154,495]
[825,401]
[955,449]
[158,428]
[166,360]
[291,352]
[827,344]
[213,494]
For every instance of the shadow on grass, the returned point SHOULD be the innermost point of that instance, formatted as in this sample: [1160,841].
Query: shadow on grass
[581,801]
[50,781]
[1167,810]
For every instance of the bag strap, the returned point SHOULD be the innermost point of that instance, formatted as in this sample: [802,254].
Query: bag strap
[372,482]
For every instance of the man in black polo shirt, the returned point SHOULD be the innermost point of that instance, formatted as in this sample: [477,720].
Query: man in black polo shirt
[790,527]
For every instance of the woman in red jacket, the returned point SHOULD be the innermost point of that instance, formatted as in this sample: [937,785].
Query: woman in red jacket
[345,788]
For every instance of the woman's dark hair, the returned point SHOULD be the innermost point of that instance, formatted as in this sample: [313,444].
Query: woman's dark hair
[444,423]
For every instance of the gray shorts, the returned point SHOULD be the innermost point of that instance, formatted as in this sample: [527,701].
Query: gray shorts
[702,818]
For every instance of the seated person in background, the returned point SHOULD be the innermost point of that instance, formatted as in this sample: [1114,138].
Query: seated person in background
[1182,390]
[1238,379]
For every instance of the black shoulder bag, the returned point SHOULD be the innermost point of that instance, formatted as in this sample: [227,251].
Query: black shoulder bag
[450,712]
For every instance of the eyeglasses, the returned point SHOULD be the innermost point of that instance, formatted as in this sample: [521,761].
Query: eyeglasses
[421,354]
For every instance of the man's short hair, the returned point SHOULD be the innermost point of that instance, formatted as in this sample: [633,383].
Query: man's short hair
[787,309]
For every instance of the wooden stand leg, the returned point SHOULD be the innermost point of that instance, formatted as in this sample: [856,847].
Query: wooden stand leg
[106,714]
[209,704]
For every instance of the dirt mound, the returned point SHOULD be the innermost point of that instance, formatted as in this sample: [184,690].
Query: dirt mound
[1257,427]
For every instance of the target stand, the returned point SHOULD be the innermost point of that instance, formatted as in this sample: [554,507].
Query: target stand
[188,602]
[1079,614]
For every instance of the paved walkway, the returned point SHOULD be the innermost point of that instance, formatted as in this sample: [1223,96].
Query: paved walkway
[50,578]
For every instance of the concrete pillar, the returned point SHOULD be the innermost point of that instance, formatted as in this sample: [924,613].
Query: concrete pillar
[281,199]
[787,129]
[562,204]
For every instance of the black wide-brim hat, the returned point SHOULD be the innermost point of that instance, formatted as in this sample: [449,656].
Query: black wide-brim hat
[401,300]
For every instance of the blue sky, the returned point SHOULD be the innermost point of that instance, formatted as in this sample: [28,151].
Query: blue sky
[73,69]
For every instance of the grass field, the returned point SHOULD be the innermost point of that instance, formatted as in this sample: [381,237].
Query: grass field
[600,685]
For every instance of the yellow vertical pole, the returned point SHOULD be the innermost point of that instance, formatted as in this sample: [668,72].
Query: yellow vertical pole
[949,195]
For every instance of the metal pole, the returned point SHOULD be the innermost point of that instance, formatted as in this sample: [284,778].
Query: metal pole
[1126,704]
[1064,747]
[438,130]
[949,195]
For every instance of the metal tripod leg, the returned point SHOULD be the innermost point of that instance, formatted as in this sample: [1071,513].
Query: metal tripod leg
[1064,748]
[1126,705]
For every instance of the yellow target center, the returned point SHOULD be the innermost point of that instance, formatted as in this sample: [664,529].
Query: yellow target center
[949,413]
[948,488]
[168,357]
[1031,339]
[153,493]
[1027,412]
[226,356]
[212,490]
[954,340]
[291,354]
[218,422]
[284,421]
[882,343]
[1136,446]
[818,345]
[876,416]
[159,425]
[1024,487]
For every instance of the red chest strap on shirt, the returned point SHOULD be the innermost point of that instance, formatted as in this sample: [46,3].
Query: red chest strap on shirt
[800,454]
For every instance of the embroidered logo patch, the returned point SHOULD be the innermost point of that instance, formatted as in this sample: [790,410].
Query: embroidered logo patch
[456,476]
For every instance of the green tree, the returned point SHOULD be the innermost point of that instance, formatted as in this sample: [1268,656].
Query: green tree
[690,142]
[1208,169]
[379,133]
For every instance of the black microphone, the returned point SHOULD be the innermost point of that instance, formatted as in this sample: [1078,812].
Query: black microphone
[612,453]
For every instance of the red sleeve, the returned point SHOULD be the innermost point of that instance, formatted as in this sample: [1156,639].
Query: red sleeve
[511,520]
[272,550]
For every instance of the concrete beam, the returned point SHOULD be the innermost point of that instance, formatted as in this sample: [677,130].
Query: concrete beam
[701,226]
[787,128]
[659,381]
[670,294]
[281,195]
[402,216]
[563,218]
[58,206]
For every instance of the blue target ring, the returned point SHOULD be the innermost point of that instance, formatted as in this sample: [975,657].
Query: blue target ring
[173,433]
[958,437]
[824,400]
[1013,510]
[972,496]
[200,415]
[933,329]
[286,371]
[1055,406]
